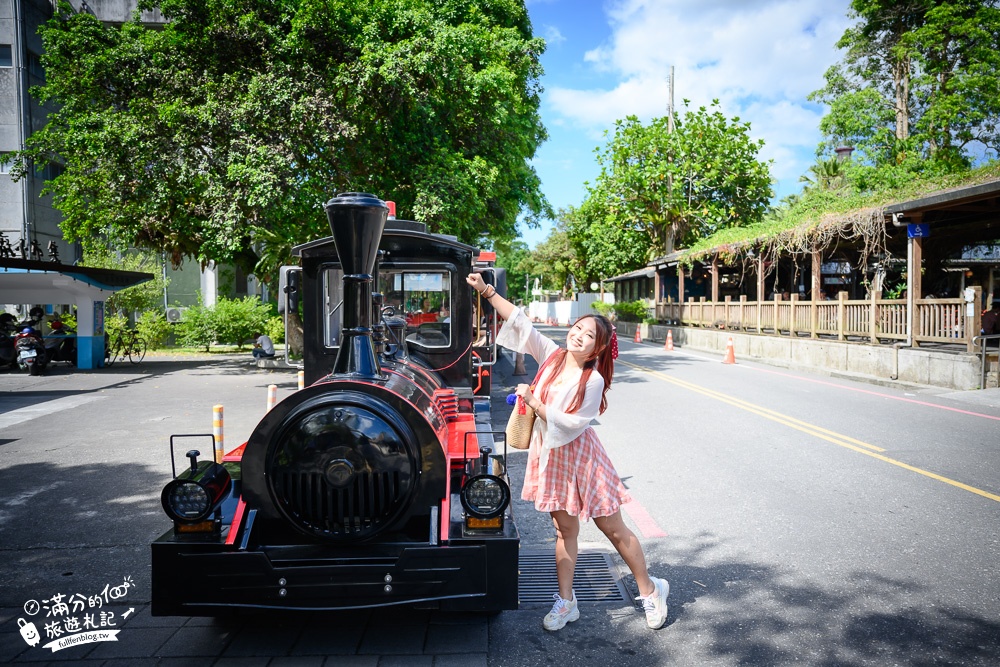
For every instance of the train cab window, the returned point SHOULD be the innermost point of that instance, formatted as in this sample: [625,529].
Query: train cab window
[424,299]
[333,306]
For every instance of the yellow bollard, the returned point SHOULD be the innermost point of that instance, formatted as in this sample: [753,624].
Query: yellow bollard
[272,396]
[218,433]
[302,380]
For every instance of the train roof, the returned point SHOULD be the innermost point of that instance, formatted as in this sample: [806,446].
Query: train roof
[397,228]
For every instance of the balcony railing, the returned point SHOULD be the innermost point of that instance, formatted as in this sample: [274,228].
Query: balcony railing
[876,320]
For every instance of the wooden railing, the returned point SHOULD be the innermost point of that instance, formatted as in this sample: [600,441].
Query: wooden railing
[876,319]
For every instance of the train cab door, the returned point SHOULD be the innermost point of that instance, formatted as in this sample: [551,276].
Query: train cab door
[485,326]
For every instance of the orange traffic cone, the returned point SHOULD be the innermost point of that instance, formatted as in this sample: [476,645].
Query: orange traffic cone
[730,357]
[669,345]
[638,335]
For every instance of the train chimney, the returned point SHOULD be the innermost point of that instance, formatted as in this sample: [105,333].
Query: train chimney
[356,221]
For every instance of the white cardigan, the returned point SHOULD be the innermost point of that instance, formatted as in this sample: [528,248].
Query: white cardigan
[559,428]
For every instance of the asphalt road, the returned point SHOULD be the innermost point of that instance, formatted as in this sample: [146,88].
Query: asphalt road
[800,520]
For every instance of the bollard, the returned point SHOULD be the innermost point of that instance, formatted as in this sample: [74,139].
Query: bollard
[272,396]
[302,380]
[217,431]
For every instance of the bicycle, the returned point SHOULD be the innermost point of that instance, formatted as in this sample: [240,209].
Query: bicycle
[129,344]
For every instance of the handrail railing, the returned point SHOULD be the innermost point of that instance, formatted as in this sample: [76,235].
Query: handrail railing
[983,342]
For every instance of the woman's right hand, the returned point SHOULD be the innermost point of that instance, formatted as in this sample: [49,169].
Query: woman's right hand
[476,281]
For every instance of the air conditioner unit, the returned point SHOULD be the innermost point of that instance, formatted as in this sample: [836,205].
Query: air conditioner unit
[175,314]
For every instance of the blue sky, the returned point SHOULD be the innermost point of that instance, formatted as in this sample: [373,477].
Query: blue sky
[607,59]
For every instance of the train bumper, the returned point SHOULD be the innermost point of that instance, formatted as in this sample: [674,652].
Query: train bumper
[209,578]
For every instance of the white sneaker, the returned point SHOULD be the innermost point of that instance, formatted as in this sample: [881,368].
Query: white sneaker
[563,612]
[655,604]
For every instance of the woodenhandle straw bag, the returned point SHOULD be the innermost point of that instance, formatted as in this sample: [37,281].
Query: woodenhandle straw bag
[522,418]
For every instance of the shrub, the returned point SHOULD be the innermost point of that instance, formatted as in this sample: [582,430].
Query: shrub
[153,328]
[275,329]
[197,329]
[605,309]
[631,311]
[237,320]
[115,326]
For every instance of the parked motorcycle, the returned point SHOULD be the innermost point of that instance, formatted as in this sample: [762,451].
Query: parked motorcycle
[61,345]
[30,348]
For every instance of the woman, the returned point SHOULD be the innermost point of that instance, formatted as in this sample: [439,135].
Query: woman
[569,475]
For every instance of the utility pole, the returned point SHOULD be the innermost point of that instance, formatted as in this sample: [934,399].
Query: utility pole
[668,235]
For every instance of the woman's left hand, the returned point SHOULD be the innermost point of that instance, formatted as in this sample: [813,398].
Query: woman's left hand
[524,391]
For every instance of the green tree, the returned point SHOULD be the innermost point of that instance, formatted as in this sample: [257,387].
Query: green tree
[607,247]
[223,131]
[147,296]
[515,258]
[917,89]
[678,184]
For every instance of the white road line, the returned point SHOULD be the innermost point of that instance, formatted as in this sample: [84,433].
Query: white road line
[30,412]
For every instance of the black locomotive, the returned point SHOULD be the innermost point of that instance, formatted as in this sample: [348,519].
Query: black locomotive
[377,484]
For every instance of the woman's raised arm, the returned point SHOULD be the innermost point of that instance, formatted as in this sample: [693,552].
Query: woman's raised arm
[503,307]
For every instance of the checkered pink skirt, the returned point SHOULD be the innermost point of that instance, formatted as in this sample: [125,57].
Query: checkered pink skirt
[579,479]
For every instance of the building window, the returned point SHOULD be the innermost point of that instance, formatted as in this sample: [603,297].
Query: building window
[5,163]
[35,66]
[6,56]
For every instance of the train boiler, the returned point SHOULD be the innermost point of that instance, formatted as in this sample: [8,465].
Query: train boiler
[377,484]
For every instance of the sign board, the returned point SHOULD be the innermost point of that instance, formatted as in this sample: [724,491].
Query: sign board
[918,230]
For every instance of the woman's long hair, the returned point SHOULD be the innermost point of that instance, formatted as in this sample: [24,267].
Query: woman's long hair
[600,359]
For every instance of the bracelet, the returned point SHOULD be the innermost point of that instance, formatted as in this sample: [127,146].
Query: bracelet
[488,296]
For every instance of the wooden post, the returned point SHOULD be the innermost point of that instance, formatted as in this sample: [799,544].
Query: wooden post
[914,255]
[680,292]
[701,312]
[743,312]
[974,324]
[715,279]
[760,290]
[841,315]
[725,312]
[873,317]
[793,300]
[817,288]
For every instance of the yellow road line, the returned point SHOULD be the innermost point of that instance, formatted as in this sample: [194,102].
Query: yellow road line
[811,429]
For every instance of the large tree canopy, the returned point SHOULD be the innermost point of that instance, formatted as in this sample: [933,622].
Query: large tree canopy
[221,133]
[660,184]
[917,90]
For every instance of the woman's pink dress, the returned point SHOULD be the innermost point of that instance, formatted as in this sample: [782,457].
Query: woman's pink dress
[568,468]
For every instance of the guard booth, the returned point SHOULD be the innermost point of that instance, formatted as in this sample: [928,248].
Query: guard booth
[28,281]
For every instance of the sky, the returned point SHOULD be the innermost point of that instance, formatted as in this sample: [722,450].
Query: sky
[608,59]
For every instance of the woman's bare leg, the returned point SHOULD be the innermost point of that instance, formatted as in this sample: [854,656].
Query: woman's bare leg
[567,546]
[627,544]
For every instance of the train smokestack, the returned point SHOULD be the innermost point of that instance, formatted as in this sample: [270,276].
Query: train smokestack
[356,221]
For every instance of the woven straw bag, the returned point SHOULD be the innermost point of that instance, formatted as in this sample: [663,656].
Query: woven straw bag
[522,418]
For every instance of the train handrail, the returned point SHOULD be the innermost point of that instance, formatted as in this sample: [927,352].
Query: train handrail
[982,340]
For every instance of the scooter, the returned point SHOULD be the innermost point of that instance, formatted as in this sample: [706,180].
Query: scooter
[61,345]
[31,353]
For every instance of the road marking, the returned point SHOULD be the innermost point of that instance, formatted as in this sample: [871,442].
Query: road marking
[643,521]
[816,431]
[844,387]
[45,408]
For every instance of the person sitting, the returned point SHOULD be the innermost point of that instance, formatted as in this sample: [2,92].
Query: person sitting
[991,320]
[444,315]
[263,347]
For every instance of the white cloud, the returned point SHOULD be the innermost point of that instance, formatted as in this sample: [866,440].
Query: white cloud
[759,58]
[552,35]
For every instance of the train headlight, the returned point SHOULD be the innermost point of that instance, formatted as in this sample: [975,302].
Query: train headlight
[485,497]
[196,493]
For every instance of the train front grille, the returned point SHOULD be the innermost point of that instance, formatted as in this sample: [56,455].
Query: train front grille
[358,509]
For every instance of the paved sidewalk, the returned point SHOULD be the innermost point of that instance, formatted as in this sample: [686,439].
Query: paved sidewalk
[83,457]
